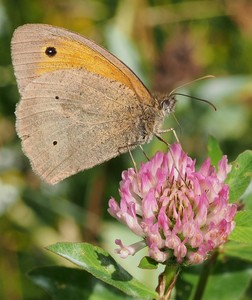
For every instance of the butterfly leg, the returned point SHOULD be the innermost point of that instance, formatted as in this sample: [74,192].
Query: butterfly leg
[162,140]
[133,161]
[165,131]
[168,145]
[140,146]
[129,147]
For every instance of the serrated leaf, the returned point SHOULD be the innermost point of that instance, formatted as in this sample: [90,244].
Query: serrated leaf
[148,263]
[101,265]
[243,218]
[241,234]
[240,176]
[75,284]
[214,151]
[242,251]
[243,229]
[248,198]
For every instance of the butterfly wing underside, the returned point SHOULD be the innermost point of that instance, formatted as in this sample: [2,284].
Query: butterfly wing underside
[70,114]
[30,41]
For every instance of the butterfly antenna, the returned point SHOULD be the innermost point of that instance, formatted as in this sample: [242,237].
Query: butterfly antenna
[190,82]
[174,93]
[196,98]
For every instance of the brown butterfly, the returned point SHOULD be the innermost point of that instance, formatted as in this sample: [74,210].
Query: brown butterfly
[80,105]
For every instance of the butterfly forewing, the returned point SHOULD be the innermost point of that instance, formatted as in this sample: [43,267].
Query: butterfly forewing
[79,105]
[30,60]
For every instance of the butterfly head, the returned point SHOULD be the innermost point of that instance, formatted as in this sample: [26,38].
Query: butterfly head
[167,104]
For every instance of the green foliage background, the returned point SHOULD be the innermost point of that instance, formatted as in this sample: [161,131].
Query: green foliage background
[167,43]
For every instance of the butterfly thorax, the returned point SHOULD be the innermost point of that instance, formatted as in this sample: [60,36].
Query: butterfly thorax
[149,123]
[164,105]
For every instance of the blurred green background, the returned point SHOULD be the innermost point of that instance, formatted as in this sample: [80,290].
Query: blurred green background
[167,43]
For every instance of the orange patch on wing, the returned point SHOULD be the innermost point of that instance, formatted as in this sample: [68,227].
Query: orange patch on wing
[75,55]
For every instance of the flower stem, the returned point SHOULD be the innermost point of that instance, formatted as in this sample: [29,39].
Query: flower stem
[167,280]
[206,270]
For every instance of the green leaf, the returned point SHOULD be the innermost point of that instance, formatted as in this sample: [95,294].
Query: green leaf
[240,176]
[243,229]
[244,218]
[148,263]
[214,151]
[101,265]
[248,198]
[242,251]
[229,280]
[75,284]
[241,234]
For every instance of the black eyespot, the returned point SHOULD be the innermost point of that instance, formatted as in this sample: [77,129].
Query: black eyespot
[55,143]
[57,97]
[50,51]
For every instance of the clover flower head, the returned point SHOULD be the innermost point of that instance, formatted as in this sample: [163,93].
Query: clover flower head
[178,212]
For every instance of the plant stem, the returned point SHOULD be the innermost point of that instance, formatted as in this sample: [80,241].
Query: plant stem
[166,281]
[206,270]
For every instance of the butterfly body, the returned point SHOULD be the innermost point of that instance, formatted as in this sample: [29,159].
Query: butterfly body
[80,106]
